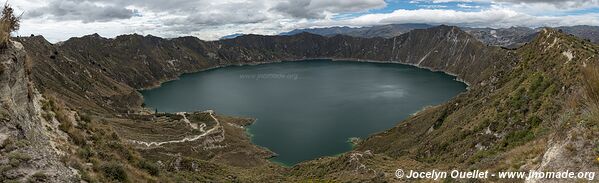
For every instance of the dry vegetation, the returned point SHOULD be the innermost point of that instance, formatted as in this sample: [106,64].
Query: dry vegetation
[8,23]
[98,153]
[591,86]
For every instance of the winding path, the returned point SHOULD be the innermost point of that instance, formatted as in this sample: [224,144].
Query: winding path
[186,139]
[193,126]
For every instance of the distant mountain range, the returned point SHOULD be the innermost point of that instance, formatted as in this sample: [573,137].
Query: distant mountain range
[385,31]
[506,37]
[231,36]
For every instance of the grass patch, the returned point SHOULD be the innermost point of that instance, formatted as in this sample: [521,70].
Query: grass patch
[38,177]
[17,158]
[591,88]
[10,144]
[54,109]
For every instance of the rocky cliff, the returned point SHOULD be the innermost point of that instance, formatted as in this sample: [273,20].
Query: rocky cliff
[31,146]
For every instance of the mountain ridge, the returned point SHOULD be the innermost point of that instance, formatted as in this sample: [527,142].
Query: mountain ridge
[385,31]
[512,37]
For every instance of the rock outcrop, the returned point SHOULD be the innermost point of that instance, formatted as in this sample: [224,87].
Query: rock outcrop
[29,147]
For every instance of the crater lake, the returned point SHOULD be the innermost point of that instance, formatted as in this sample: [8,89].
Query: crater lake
[308,109]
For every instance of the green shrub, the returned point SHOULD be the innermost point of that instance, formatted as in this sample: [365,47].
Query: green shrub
[38,177]
[77,137]
[85,153]
[517,138]
[47,116]
[150,167]
[538,86]
[87,177]
[534,121]
[518,100]
[85,118]
[65,123]
[19,156]
[125,152]
[47,105]
[187,164]
[114,171]
[16,158]
[10,144]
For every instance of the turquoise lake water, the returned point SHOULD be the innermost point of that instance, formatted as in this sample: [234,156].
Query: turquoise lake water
[309,109]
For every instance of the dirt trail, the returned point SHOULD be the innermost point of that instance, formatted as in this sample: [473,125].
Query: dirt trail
[186,139]
[193,126]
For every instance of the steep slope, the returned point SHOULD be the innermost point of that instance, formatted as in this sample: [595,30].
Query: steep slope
[80,83]
[512,37]
[574,143]
[31,147]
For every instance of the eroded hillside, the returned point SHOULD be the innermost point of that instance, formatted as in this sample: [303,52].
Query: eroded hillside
[31,146]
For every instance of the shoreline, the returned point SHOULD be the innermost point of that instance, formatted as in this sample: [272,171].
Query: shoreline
[162,81]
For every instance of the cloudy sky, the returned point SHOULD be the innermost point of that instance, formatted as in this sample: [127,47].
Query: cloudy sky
[59,20]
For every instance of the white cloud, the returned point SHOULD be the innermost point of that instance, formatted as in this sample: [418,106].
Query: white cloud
[432,6]
[320,8]
[561,3]
[84,11]
[483,18]
[210,19]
